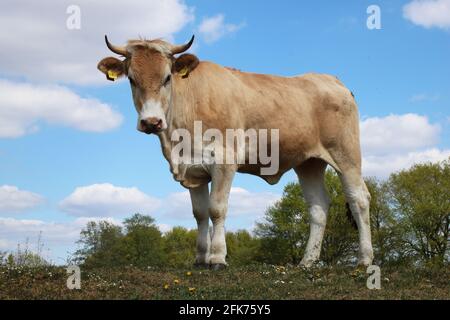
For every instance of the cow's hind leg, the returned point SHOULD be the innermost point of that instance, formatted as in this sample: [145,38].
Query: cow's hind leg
[311,176]
[358,198]
[200,207]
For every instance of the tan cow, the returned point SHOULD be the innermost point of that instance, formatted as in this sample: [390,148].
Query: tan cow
[315,114]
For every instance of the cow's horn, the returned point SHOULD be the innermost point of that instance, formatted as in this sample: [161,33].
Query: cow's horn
[119,50]
[183,47]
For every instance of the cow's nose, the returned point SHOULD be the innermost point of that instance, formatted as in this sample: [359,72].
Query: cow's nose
[151,125]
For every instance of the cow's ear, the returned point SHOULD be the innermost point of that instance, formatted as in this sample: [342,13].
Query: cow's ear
[113,68]
[184,64]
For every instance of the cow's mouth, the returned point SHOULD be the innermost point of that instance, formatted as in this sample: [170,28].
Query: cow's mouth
[154,131]
[149,126]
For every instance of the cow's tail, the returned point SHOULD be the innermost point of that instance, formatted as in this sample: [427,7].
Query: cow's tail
[350,217]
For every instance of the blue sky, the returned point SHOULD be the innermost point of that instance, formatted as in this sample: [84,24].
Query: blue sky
[399,74]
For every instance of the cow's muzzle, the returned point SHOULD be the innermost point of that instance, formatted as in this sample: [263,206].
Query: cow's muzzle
[151,125]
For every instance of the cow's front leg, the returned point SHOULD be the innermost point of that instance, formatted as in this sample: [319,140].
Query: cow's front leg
[200,208]
[222,178]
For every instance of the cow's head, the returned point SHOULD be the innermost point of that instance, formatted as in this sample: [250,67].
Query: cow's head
[152,69]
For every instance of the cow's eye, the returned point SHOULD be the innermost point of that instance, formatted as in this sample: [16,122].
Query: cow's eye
[167,81]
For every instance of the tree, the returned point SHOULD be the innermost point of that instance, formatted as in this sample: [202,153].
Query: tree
[24,256]
[421,199]
[104,244]
[142,243]
[100,242]
[242,247]
[384,226]
[179,247]
[138,221]
[3,257]
[283,234]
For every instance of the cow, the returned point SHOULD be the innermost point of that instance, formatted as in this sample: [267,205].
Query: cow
[315,114]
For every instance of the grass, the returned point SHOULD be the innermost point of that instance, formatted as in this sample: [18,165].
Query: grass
[255,282]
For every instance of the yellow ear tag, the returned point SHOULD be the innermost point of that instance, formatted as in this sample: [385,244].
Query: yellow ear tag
[184,72]
[112,75]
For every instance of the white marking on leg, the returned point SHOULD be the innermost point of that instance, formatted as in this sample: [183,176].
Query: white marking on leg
[200,207]
[217,212]
[222,178]
[358,198]
[318,201]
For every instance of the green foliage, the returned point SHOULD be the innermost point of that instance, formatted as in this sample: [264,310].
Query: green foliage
[179,247]
[284,232]
[138,222]
[100,241]
[385,229]
[23,256]
[3,255]
[104,244]
[242,248]
[24,259]
[421,200]
[142,244]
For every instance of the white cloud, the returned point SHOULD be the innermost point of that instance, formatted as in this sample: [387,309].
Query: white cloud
[24,105]
[41,47]
[108,200]
[4,244]
[214,28]
[17,230]
[244,202]
[178,205]
[428,13]
[397,133]
[241,203]
[57,238]
[397,142]
[382,166]
[14,200]
[163,227]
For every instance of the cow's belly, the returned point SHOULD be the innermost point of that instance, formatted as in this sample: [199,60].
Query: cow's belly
[192,176]
[290,156]
[256,171]
[285,164]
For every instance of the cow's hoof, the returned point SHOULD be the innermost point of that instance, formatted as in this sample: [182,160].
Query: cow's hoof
[363,263]
[306,264]
[201,266]
[218,266]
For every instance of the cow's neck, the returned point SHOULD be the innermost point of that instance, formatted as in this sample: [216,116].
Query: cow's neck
[178,116]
